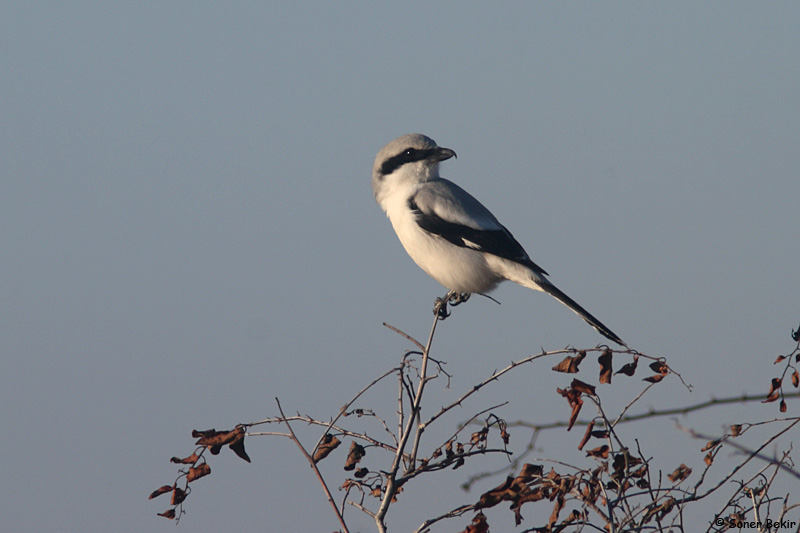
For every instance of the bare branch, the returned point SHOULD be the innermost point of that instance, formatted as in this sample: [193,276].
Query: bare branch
[313,465]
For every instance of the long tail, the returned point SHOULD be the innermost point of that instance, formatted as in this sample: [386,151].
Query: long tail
[555,292]
[528,274]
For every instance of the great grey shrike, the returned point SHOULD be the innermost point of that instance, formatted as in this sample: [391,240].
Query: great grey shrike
[450,234]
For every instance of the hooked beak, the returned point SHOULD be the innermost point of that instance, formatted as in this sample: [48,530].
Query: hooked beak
[443,153]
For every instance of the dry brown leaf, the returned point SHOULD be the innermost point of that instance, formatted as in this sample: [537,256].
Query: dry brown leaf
[215,440]
[606,370]
[529,472]
[178,495]
[196,472]
[586,435]
[796,379]
[570,363]
[186,460]
[736,430]
[654,378]
[496,495]
[354,455]
[478,437]
[574,516]
[478,525]
[526,495]
[783,406]
[237,446]
[774,390]
[573,396]
[448,449]
[505,435]
[584,388]
[659,367]
[600,451]
[170,513]
[709,458]
[161,490]
[710,444]
[211,437]
[556,509]
[629,369]
[625,460]
[576,409]
[680,473]
[328,444]
[661,510]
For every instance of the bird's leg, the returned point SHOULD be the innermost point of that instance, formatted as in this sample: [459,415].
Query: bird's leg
[453,298]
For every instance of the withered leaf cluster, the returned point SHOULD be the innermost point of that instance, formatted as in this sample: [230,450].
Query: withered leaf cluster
[179,494]
[776,384]
[533,485]
[530,485]
[211,440]
[627,470]
[214,440]
[711,446]
[571,364]
[618,472]
[660,511]
[455,452]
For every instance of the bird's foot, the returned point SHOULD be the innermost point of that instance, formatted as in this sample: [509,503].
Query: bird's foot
[453,298]
[456,298]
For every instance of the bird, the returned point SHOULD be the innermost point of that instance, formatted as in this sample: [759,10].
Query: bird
[451,235]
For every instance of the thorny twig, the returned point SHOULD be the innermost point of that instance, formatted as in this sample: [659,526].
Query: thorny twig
[617,490]
[313,465]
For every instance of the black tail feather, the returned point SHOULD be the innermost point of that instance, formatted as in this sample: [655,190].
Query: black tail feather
[555,292]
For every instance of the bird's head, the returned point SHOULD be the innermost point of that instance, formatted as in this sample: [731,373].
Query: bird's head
[412,158]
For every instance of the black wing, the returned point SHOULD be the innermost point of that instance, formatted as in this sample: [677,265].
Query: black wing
[497,242]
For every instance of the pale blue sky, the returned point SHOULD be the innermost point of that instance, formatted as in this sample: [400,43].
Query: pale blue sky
[188,228]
